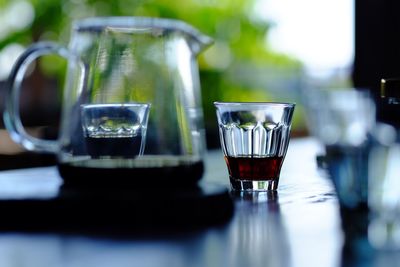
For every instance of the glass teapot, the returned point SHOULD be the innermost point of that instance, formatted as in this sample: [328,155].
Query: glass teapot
[131,110]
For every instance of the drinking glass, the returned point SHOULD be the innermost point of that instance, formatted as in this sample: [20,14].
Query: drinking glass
[254,139]
[343,120]
[384,190]
[115,130]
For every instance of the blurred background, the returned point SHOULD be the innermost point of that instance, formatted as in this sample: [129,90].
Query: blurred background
[264,50]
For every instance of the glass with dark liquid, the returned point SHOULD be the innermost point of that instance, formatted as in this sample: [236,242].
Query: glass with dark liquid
[254,138]
[254,169]
[114,137]
[114,130]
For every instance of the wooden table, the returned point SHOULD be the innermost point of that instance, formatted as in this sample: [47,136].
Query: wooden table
[300,225]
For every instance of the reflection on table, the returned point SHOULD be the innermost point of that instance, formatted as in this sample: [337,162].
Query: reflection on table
[299,225]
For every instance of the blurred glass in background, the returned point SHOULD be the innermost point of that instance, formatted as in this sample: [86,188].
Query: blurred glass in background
[264,50]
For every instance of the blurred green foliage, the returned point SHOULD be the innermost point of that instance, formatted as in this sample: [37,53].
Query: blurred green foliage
[240,42]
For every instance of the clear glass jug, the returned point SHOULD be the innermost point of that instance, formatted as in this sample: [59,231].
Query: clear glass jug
[131,106]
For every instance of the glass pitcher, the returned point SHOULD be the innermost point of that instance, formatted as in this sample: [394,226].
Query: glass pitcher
[131,110]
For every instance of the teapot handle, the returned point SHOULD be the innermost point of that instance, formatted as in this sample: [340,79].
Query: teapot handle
[12,119]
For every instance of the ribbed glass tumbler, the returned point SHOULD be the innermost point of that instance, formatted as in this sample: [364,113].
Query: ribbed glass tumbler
[254,139]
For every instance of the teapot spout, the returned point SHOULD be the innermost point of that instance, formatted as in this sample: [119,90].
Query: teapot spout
[199,42]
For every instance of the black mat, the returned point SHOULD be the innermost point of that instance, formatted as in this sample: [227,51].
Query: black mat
[120,211]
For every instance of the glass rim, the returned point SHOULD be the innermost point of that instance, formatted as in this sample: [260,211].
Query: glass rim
[98,24]
[255,104]
[128,104]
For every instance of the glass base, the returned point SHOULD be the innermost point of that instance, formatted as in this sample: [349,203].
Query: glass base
[384,234]
[252,185]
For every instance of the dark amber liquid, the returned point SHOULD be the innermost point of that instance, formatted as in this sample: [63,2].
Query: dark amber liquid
[124,147]
[81,175]
[254,168]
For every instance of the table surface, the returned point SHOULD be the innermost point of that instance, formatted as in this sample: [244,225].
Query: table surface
[300,225]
